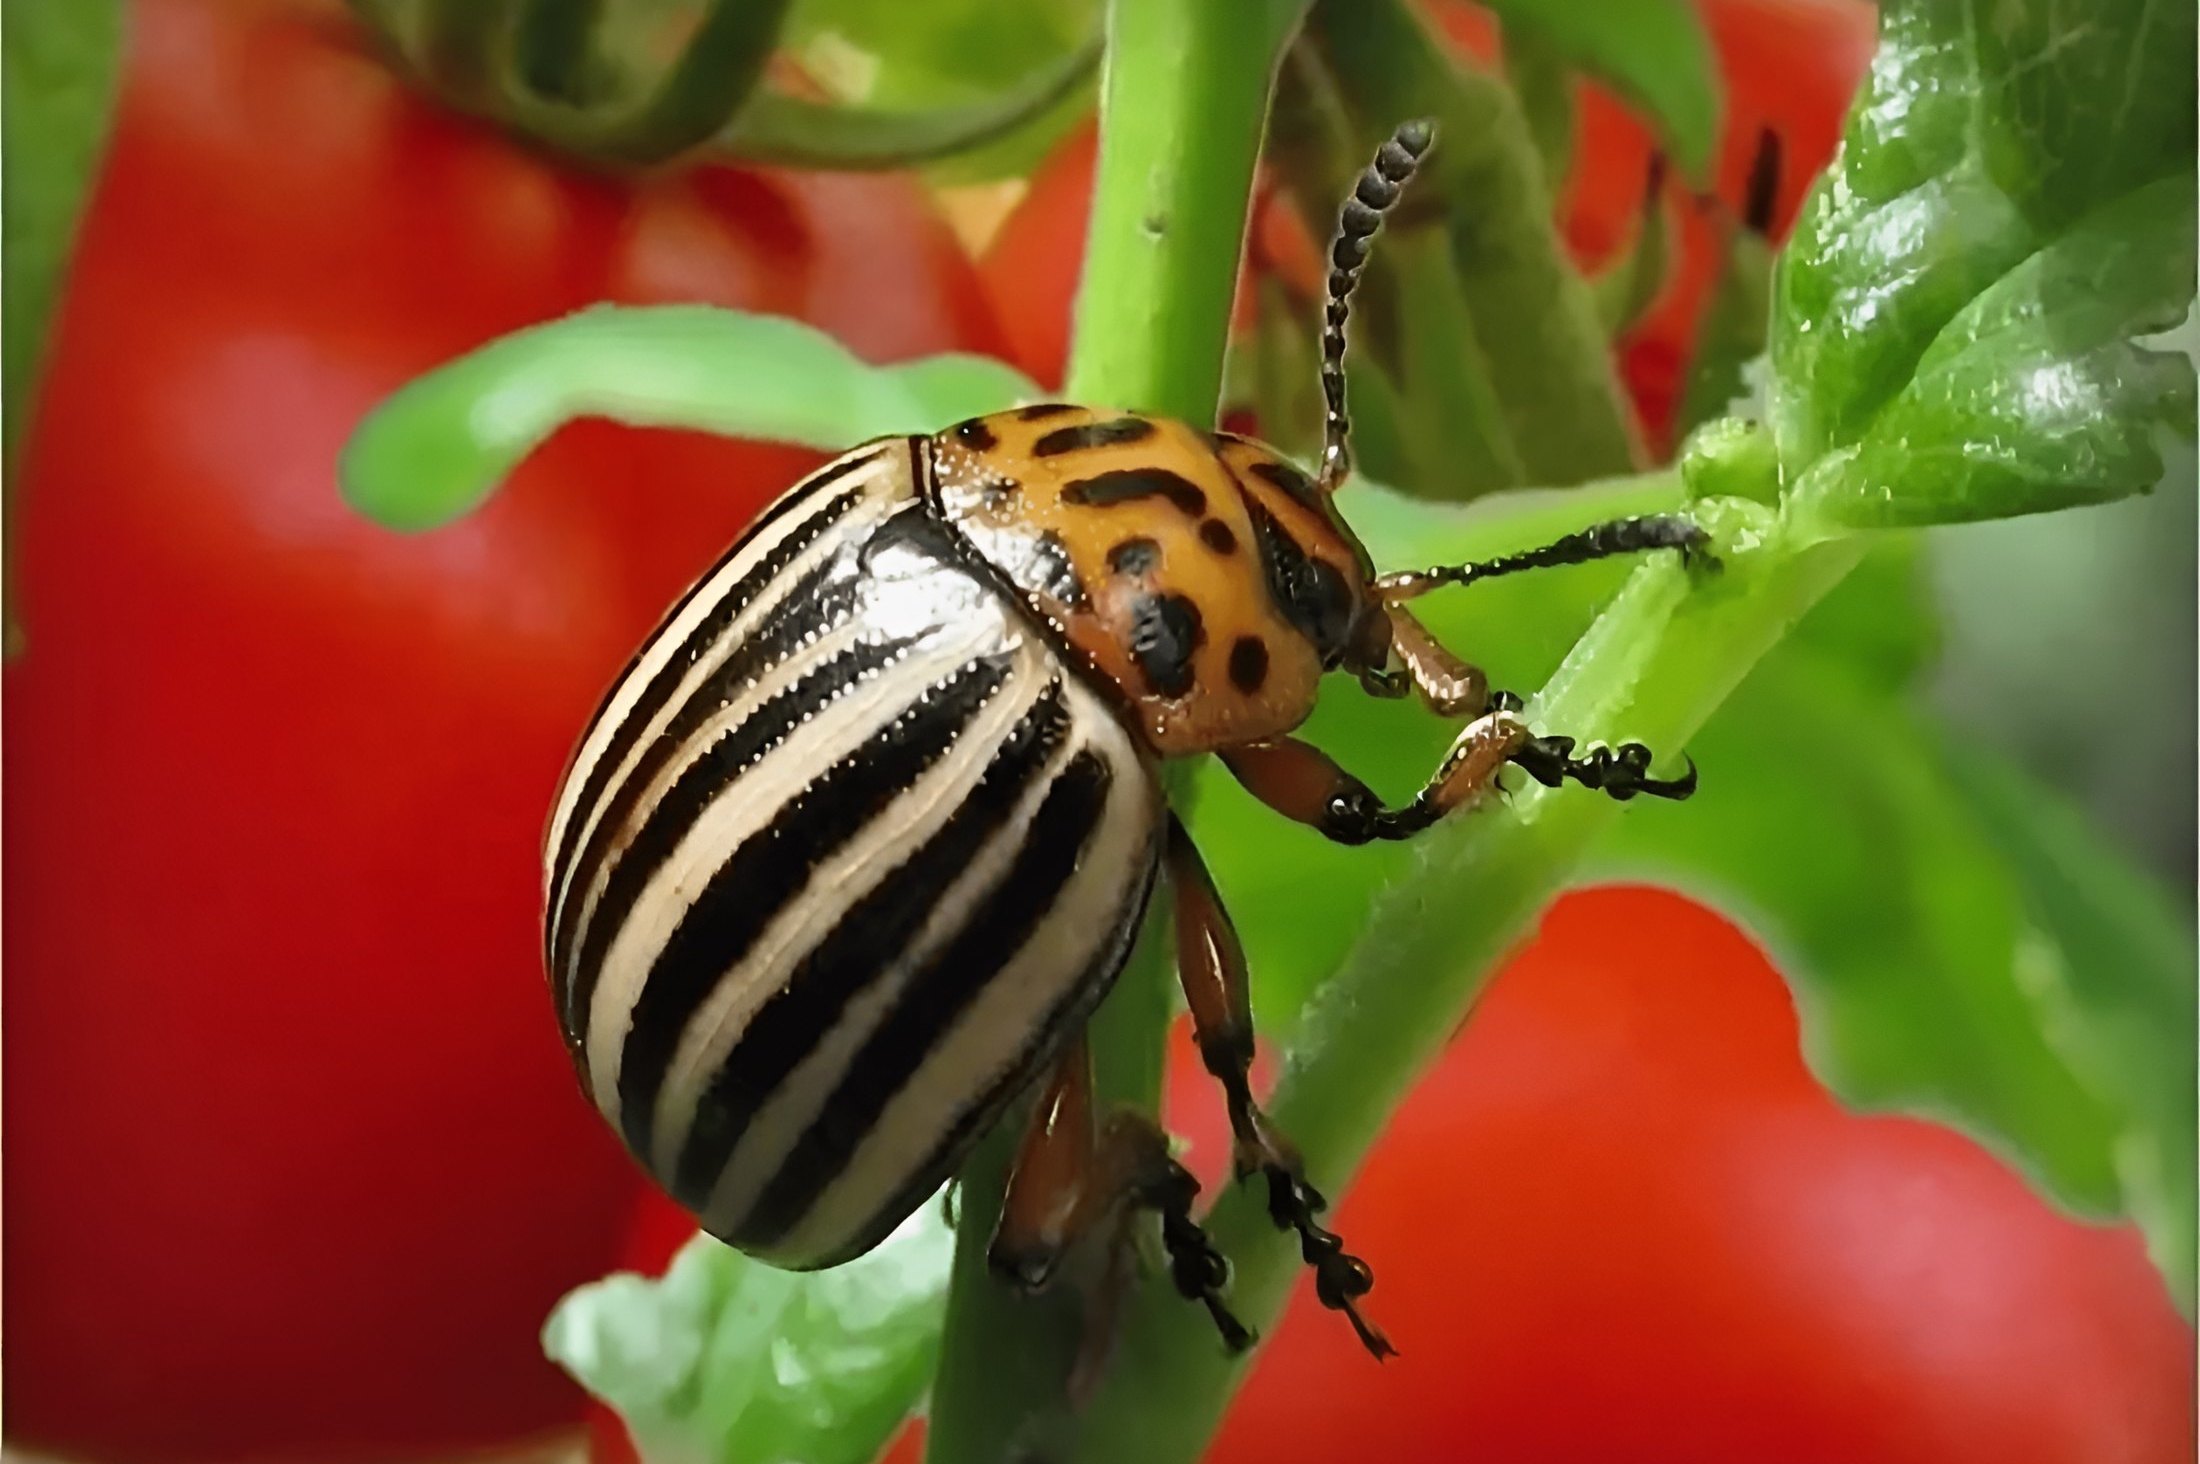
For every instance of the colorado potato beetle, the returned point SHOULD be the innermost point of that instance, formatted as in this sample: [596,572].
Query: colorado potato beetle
[865,830]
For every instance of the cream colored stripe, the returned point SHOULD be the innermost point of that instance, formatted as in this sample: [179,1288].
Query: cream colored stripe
[1008,1013]
[788,1114]
[878,477]
[838,731]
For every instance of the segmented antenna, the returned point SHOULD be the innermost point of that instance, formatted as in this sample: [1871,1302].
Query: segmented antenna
[1357,224]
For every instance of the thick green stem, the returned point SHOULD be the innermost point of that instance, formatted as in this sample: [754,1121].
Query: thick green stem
[1184,92]
[1654,666]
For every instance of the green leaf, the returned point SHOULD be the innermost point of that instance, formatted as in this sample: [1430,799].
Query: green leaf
[438,446]
[59,59]
[1937,310]
[1628,286]
[726,1359]
[1732,334]
[2036,396]
[1544,83]
[785,132]
[895,56]
[2115,991]
[1653,53]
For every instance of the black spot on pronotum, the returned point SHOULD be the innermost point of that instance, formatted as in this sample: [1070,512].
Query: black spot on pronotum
[1165,630]
[1216,535]
[1310,592]
[1040,411]
[1134,557]
[1127,484]
[976,436]
[1111,433]
[1248,663]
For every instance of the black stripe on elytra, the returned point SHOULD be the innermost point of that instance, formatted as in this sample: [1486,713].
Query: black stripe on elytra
[1049,1036]
[1165,631]
[938,995]
[810,605]
[1282,475]
[862,945]
[736,598]
[1124,485]
[1310,592]
[698,785]
[1112,432]
[1040,411]
[798,495]
[773,867]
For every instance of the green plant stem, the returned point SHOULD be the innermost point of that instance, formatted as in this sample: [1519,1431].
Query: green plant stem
[1654,666]
[1184,90]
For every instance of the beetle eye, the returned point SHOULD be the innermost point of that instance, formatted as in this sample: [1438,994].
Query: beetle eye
[975,435]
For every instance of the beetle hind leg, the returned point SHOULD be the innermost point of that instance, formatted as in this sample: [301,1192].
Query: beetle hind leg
[1211,964]
[1073,1176]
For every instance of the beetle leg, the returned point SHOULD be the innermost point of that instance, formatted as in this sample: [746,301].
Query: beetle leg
[1622,536]
[1449,686]
[1073,1174]
[1303,783]
[1211,964]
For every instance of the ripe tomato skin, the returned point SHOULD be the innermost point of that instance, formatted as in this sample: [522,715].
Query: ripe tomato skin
[294,1164]
[1620,1220]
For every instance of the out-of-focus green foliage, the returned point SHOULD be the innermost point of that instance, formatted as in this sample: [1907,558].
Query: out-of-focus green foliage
[1528,394]
[438,447]
[1652,53]
[58,60]
[892,54]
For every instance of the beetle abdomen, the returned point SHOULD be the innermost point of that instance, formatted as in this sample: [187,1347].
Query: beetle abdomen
[846,856]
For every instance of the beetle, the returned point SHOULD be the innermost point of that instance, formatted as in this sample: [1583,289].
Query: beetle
[865,830]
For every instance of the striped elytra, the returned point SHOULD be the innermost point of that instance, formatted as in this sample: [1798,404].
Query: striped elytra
[847,854]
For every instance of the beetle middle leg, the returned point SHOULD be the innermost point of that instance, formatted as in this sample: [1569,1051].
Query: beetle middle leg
[1211,964]
[1075,1175]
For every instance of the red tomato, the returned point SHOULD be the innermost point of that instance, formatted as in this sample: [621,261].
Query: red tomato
[295,1166]
[1621,1221]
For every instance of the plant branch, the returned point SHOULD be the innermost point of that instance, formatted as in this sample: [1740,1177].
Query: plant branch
[1183,95]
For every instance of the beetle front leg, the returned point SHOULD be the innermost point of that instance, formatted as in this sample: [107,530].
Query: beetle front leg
[1073,1174]
[1211,965]
[1303,783]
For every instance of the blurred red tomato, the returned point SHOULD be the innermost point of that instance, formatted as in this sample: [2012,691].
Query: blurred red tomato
[1621,1221]
[294,1163]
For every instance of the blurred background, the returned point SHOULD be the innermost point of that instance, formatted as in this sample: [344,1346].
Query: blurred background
[295,1170]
